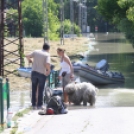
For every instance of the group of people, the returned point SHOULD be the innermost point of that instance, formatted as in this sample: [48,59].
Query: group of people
[41,68]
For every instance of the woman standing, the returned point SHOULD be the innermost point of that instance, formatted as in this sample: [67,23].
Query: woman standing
[66,72]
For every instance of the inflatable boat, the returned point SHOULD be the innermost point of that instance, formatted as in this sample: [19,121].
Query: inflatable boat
[100,73]
[77,66]
[25,72]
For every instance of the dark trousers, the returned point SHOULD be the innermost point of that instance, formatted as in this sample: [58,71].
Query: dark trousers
[38,81]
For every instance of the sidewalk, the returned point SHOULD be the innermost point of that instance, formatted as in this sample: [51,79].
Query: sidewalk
[83,121]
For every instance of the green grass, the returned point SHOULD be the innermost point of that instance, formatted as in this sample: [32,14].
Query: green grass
[17,116]
[21,114]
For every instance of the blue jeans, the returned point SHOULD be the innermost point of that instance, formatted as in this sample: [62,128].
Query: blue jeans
[38,81]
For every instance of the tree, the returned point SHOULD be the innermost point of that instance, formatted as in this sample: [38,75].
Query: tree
[120,13]
[53,19]
[96,19]
[32,17]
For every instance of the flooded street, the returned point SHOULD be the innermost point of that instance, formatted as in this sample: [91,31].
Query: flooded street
[20,99]
[114,107]
[120,55]
[117,51]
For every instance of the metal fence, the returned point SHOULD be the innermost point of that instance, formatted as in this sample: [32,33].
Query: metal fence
[5,93]
[53,80]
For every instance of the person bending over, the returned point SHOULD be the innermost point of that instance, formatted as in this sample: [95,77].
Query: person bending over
[66,72]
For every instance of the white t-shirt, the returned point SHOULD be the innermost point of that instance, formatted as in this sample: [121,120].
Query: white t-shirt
[65,67]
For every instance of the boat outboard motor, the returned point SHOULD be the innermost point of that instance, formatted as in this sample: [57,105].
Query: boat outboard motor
[102,65]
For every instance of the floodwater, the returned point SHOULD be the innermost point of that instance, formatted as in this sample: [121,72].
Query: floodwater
[117,51]
[120,55]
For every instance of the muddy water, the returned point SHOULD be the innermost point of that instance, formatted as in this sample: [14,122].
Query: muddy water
[20,99]
[120,56]
[117,51]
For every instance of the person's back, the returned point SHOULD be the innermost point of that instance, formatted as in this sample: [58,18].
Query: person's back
[40,58]
[40,71]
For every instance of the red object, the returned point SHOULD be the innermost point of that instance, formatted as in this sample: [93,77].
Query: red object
[96,28]
[50,111]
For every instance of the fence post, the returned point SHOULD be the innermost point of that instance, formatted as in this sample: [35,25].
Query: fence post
[56,78]
[8,93]
[1,104]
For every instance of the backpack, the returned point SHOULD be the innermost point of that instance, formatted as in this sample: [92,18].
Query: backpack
[48,94]
[51,92]
[57,105]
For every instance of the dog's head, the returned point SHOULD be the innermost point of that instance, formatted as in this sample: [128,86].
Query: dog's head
[70,88]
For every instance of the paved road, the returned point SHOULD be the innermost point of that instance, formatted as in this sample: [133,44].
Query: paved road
[88,121]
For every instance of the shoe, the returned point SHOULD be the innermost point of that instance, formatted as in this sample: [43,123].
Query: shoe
[42,112]
[40,107]
[64,111]
[34,107]
[66,104]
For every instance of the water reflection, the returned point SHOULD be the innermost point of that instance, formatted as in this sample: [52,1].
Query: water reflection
[20,99]
[115,98]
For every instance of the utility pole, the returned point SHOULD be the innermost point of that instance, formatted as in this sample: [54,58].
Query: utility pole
[62,22]
[45,19]
[2,20]
[10,26]
[72,17]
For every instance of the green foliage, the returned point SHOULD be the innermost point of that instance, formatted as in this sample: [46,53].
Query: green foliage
[11,22]
[32,17]
[77,30]
[67,27]
[13,131]
[54,22]
[6,32]
[125,25]
[130,14]
[19,114]
[120,13]
[109,9]
[32,12]
[96,19]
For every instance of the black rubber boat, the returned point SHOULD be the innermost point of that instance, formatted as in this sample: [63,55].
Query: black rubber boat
[99,74]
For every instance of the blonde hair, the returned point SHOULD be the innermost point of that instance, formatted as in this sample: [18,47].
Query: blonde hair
[61,49]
